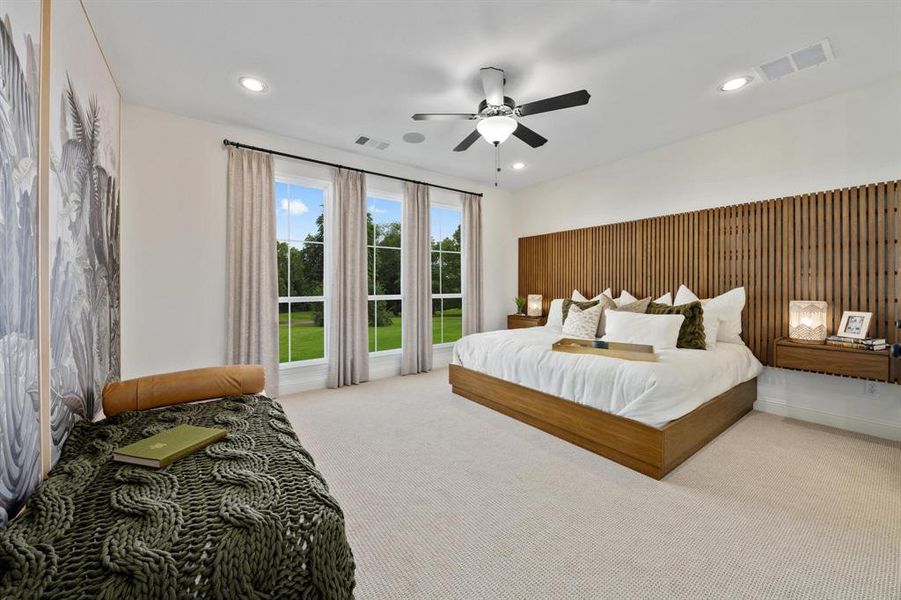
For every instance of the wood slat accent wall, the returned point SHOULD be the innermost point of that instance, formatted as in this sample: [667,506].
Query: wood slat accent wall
[841,246]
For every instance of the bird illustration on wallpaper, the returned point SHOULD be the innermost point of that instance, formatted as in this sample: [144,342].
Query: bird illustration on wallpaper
[84,222]
[19,401]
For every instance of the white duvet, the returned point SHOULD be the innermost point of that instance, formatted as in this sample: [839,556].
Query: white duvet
[651,392]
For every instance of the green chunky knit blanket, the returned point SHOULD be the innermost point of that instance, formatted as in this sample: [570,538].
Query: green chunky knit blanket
[246,517]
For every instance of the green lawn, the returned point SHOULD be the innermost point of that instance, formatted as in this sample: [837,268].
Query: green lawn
[308,340]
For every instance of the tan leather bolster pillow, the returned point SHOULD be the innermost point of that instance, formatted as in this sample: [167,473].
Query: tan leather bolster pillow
[182,386]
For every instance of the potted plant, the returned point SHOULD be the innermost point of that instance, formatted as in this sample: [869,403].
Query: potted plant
[520,305]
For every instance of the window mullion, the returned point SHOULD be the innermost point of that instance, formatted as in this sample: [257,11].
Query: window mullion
[375,312]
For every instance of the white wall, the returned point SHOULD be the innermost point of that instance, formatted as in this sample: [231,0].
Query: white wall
[173,240]
[847,139]
[852,138]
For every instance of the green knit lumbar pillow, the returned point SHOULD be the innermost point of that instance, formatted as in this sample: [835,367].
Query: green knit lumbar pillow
[691,334]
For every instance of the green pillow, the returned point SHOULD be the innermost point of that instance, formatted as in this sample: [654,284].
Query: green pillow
[691,334]
[582,305]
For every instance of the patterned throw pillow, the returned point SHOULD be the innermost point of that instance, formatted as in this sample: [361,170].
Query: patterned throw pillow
[582,323]
[603,300]
[691,334]
[639,306]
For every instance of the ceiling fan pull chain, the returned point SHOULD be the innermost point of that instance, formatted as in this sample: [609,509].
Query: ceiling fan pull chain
[497,161]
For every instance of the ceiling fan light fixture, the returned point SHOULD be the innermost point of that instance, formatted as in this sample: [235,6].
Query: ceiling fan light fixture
[519,165]
[497,129]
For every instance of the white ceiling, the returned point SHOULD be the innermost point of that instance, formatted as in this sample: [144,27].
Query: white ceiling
[341,69]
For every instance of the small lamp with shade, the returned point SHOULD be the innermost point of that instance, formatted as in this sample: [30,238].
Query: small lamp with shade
[807,321]
[534,308]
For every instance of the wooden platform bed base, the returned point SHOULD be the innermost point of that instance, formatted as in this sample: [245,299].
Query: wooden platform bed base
[649,450]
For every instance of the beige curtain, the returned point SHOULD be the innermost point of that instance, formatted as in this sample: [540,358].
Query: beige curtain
[252,327]
[347,317]
[471,232]
[416,281]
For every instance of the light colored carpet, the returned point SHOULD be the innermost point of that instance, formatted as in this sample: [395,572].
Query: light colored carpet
[447,499]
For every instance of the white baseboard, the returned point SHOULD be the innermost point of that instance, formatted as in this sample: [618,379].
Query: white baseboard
[890,431]
[313,377]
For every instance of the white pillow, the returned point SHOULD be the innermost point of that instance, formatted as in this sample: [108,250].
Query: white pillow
[624,298]
[555,314]
[659,331]
[711,329]
[684,295]
[627,298]
[727,307]
[578,297]
[582,323]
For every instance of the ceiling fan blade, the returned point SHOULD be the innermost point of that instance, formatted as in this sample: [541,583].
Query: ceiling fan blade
[528,136]
[493,84]
[556,103]
[469,141]
[444,116]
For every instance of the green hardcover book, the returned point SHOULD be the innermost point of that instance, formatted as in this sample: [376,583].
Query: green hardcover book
[168,446]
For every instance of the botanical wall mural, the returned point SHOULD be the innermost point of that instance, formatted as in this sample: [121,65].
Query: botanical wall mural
[82,202]
[84,221]
[20,467]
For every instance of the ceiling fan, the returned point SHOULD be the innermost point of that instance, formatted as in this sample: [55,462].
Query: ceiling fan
[497,115]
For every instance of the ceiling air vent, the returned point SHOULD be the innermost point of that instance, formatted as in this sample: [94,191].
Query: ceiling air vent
[805,58]
[369,142]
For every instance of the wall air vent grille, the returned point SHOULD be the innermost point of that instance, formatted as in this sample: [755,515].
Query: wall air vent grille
[799,60]
[369,142]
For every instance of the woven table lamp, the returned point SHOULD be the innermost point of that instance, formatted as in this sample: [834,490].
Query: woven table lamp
[807,321]
[534,305]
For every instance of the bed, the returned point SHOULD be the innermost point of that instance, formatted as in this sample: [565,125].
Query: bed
[647,416]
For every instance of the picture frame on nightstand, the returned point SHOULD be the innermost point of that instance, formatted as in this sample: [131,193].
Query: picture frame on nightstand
[854,324]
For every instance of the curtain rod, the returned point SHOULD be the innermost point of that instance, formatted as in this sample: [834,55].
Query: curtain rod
[228,142]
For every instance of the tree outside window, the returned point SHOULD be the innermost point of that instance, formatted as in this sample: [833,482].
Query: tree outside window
[300,256]
[383,227]
[447,292]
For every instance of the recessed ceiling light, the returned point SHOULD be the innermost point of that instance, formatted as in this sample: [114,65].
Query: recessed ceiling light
[519,165]
[736,84]
[253,84]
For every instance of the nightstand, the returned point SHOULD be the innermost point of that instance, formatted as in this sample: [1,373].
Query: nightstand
[521,321]
[833,360]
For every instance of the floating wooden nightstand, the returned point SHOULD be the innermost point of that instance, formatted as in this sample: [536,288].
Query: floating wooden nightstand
[520,321]
[833,360]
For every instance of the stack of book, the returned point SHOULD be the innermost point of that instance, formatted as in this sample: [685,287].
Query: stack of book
[864,344]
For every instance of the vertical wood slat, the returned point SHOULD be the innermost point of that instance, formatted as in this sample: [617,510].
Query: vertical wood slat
[881,272]
[854,304]
[872,271]
[841,246]
[893,280]
[828,273]
[846,250]
[836,260]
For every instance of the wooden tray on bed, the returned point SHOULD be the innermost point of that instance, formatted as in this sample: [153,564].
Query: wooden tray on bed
[613,350]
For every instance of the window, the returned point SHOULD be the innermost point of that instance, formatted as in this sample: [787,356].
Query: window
[447,296]
[300,250]
[383,225]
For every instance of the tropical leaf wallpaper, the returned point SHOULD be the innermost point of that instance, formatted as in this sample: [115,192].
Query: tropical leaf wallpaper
[20,464]
[83,244]
[84,222]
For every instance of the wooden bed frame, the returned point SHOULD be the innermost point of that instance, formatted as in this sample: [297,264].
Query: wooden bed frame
[649,450]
